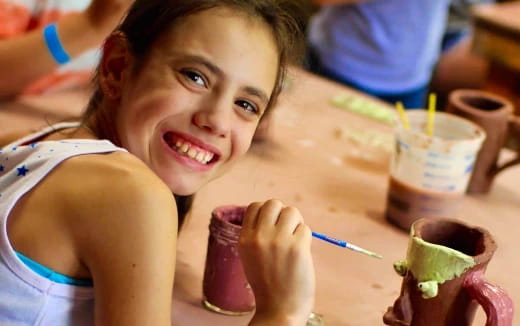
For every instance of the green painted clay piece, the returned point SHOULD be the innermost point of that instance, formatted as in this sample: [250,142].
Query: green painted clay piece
[429,289]
[431,262]
[400,267]
[365,108]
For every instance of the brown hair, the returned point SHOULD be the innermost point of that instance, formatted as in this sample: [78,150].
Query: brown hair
[147,20]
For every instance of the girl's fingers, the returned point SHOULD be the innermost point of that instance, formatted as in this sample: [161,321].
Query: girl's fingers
[250,216]
[288,220]
[268,214]
[303,233]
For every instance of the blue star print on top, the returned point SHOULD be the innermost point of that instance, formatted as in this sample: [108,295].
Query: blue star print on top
[22,170]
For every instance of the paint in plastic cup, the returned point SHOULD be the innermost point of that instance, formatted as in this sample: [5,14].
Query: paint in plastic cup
[429,174]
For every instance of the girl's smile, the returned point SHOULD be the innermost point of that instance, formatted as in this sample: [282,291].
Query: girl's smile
[190,151]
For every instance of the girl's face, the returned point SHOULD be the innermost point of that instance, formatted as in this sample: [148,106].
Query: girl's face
[192,109]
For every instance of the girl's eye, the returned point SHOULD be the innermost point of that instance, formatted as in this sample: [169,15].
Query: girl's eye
[247,106]
[194,77]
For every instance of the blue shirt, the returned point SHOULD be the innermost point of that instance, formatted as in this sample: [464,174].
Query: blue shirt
[383,45]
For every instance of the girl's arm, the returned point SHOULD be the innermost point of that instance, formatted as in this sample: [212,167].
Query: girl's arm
[127,239]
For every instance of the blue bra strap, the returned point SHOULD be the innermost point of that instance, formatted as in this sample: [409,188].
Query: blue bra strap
[50,274]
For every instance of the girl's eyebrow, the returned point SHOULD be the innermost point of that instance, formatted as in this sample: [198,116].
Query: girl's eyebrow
[257,93]
[217,71]
[205,62]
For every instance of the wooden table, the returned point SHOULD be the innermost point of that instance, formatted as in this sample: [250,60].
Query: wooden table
[497,38]
[339,183]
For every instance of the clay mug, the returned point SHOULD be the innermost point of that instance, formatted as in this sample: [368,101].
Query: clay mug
[495,115]
[225,286]
[444,277]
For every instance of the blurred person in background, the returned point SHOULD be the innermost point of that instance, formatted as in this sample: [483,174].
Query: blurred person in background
[386,48]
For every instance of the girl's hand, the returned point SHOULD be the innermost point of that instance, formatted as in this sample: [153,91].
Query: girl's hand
[275,252]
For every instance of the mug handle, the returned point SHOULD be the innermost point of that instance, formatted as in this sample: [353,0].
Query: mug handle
[514,130]
[493,299]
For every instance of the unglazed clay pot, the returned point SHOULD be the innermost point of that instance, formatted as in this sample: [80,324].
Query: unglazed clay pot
[444,278]
[495,115]
[225,286]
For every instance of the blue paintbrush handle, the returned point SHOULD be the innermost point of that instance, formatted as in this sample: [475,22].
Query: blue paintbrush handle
[332,240]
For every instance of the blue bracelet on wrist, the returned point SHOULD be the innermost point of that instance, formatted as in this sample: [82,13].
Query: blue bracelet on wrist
[50,35]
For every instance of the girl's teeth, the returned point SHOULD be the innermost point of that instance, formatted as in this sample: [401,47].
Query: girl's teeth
[192,153]
[200,157]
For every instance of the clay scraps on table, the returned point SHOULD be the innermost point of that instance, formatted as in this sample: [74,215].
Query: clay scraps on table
[364,137]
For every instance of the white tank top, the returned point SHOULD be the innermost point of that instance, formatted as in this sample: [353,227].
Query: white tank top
[26,298]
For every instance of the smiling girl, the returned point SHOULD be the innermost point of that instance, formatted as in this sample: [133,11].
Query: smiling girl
[89,223]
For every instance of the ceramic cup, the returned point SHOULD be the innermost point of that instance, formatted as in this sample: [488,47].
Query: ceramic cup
[495,115]
[429,174]
[444,277]
[225,286]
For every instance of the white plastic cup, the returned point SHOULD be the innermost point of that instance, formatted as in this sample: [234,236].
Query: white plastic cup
[429,174]
[442,162]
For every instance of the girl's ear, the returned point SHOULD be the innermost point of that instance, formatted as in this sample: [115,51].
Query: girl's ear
[115,63]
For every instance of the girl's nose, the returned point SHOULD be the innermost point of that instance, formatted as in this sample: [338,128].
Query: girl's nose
[215,118]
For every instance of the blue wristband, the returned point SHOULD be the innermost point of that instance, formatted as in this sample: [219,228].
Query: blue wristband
[50,35]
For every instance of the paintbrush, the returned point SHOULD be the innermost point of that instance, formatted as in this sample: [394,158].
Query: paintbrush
[345,244]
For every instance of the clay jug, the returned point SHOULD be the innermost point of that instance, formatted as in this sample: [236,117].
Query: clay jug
[495,115]
[444,277]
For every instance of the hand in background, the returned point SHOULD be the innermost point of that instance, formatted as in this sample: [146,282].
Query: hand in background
[275,252]
[106,14]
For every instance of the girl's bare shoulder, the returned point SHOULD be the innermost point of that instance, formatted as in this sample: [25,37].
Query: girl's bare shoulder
[113,187]
[6,138]
[118,173]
